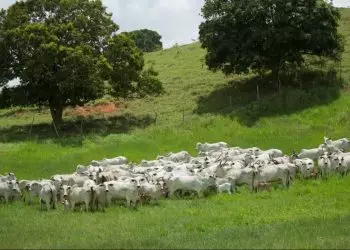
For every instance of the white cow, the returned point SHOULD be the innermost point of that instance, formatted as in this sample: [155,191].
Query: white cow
[252,151]
[120,160]
[207,147]
[151,191]
[313,153]
[265,174]
[8,177]
[324,165]
[342,144]
[341,164]
[9,189]
[128,189]
[273,153]
[198,184]
[48,196]
[182,156]
[305,167]
[76,195]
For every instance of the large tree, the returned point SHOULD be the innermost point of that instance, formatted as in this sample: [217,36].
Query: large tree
[146,40]
[261,35]
[60,51]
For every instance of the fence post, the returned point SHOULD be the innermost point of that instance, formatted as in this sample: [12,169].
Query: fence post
[257,92]
[230,100]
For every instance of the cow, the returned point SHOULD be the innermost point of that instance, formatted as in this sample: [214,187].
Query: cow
[273,153]
[199,184]
[75,195]
[8,189]
[207,147]
[8,177]
[265,174]
[128,189]
[324,165]
[342,144]
[120,160]
[313,153]
[48,196]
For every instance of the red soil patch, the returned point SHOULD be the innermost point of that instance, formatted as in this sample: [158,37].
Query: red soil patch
[100,108]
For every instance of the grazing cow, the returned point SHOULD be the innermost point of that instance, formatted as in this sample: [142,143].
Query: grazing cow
[120,160]
[273,153]
[207,147]
[9,189]
[313,153]
[182,156]
[342,144]
[48,196]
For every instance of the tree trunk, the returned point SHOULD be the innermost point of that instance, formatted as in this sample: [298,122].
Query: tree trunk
[276,78]
[56,114]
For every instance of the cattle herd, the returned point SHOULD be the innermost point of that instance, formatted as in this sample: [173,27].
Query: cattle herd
[217,167]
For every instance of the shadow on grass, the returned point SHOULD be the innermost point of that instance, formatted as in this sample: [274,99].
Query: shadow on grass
[72,133]
[239,99]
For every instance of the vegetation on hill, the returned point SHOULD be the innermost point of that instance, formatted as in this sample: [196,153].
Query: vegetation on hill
[146,40]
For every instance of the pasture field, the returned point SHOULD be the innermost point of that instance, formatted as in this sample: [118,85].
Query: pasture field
[311,214]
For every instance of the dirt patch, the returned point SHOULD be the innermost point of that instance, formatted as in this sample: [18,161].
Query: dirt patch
[95,109]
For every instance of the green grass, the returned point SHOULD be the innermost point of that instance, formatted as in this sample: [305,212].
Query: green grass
[311,214]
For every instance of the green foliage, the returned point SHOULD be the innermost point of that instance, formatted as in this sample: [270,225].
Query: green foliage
[126,76]
[57,49]
[146,40]
[268,35]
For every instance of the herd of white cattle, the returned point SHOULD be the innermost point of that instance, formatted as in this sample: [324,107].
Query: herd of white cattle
[217,167]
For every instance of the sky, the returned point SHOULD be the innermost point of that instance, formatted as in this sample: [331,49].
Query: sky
[176,21]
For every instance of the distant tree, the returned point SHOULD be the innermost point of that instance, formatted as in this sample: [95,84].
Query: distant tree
[126,77]
[63,52]
[146,40]
[262,35]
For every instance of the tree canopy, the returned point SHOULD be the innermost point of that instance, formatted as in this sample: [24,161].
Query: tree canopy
[64,51]
[146,40]
[244,35]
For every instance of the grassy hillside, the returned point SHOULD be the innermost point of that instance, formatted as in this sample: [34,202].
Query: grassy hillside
[216,108]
